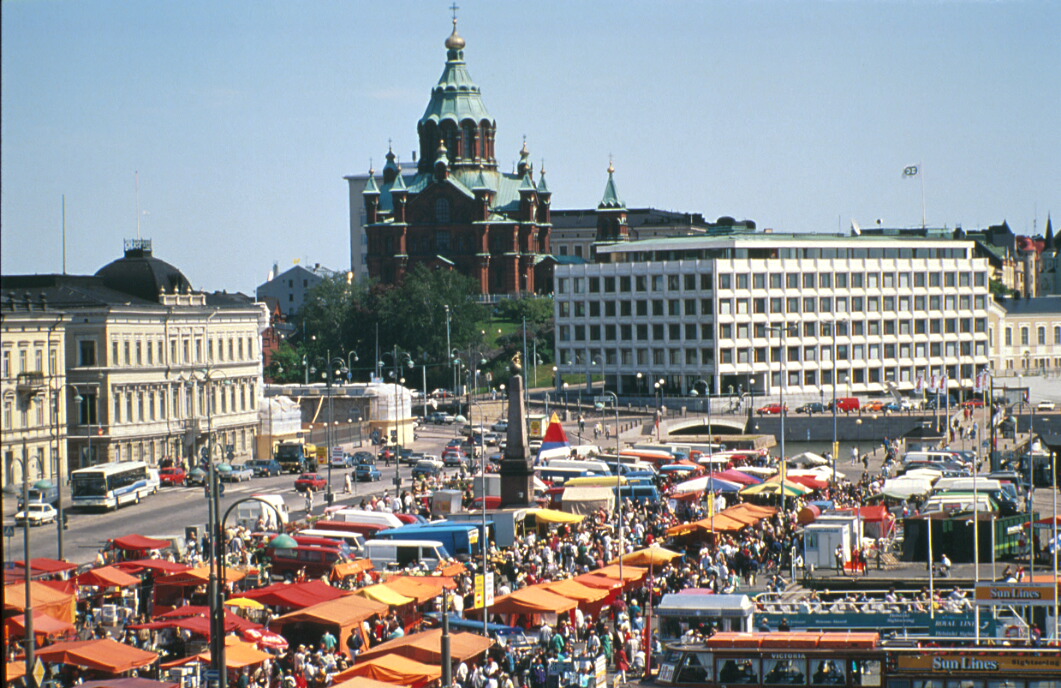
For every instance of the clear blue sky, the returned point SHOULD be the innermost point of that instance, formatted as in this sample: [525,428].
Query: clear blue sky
[243,116]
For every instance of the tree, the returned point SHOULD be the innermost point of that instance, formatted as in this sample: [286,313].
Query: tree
[538,310]
[286,365]
[343,318]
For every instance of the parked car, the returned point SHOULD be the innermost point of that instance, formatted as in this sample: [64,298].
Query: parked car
[265,467]
[492,439]
[175,476]
[310,482]
[1045,405]
[500,426]
[441,393]
[364,457]
[238,473]
[455,442]
[196,476]
[811,408]
[974,403]
[367,472]
[37,514]
[341,461]
[874,405]
[771,410]
[427,469]
[440,418]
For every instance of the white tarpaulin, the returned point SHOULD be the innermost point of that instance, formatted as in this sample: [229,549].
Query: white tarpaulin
[904,488]
[587,500]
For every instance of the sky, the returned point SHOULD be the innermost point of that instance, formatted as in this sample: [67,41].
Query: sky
[241,117]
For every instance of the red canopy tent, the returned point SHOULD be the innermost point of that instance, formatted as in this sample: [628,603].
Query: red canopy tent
[135,566]
[107,577]
[139,543]
[295,595]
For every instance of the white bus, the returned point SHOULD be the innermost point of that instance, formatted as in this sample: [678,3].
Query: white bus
[110,485]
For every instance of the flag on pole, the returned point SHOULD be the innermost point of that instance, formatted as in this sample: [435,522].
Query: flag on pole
[910,171]
[934,384]
[919,384]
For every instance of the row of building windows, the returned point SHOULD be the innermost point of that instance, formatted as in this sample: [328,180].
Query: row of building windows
[1040,335]
[38,414]
[771,280]
[27,360]
[139,406]
[693,356]
[704,331]
[772,305]
[138,352]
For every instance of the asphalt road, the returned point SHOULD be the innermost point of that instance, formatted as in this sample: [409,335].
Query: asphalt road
[168,512]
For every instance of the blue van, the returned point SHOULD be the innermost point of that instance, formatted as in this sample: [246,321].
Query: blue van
[460,539]
[638,493]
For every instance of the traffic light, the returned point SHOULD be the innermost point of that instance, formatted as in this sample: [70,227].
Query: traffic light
[394,436]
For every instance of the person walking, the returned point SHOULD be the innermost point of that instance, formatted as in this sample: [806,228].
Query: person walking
[838,559]
[309,502]
[854,456]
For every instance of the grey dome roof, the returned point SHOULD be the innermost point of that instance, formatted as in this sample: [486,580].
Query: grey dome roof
[140,274]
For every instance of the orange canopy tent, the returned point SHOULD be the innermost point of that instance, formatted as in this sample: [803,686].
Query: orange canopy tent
[423,588]
[533,603]
[362,682]
[351,568]
[103,655]
[238,654]
[59,605]
[426,647]
[575,590]
[44,626]
[394,669]
[720,522]
[108,577]
[344,614]
[594,580]
[629,574]
[13,671]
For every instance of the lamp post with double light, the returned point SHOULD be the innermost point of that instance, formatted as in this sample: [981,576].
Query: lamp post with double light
[398,358]
[783,329]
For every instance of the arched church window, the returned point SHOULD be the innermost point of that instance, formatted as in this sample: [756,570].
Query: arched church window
[442,211]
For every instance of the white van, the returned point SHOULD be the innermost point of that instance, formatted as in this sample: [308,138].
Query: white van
[402,553]
[591,465]
[378,518]
[248,513]
[931,456]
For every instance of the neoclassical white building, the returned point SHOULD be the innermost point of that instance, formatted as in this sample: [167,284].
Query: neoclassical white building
[822,312]
[149,367]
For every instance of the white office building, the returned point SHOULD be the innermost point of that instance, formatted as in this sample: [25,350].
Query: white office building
[824,312]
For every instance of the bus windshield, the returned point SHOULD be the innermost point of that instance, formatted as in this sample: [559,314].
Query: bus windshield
[88,486]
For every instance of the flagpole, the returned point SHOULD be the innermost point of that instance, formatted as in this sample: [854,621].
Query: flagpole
[921,173]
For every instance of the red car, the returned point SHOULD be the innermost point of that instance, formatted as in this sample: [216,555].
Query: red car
[173,476]
[310,482]
[975,403]
[771,410]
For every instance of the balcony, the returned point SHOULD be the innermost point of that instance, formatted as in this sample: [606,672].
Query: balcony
[30,384]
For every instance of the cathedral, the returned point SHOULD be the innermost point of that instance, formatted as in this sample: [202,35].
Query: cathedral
[458,210]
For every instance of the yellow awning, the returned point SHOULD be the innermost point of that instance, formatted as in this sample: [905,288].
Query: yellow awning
[596,481]
[553,516]
[388,596]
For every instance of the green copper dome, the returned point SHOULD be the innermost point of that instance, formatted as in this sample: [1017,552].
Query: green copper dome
[456,97]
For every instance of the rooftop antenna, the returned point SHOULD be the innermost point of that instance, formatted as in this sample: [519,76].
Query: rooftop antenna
[64,234]
[137,173]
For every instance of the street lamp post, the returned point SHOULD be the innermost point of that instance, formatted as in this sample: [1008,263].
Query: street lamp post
[398,358]
[618,473]
[781,399]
